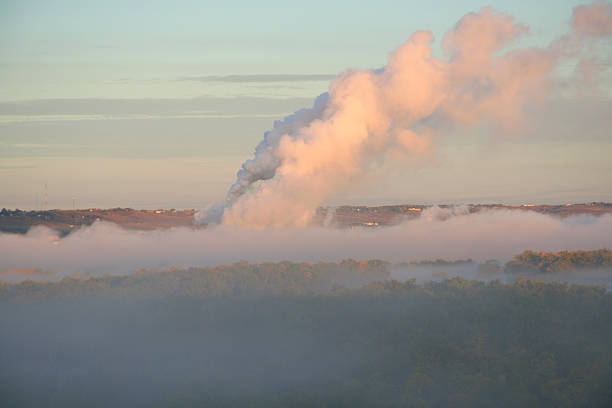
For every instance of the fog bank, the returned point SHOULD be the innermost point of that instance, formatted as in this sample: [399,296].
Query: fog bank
[448,234]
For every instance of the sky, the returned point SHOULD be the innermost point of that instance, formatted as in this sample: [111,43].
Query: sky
[156,104]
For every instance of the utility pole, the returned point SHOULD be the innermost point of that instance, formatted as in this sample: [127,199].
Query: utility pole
[46,199]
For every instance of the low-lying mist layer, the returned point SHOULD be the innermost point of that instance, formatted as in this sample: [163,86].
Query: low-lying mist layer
[299,278]
[106,248]
[455,343]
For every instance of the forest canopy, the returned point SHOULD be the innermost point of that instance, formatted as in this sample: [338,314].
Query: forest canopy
[299,278]
[390,344]
[303,334]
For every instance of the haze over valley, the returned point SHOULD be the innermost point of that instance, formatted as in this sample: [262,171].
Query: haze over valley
[318,204]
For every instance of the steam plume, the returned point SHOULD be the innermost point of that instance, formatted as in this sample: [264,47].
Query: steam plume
[369,114]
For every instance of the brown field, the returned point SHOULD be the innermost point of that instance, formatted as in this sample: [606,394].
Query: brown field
[366,216]
[66,221]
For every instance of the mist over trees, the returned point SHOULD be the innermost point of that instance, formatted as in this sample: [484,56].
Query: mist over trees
[287,334]
[240,278]
[84,325]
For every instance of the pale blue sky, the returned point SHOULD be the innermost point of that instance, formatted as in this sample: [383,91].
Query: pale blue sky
[114,101]
[82,48]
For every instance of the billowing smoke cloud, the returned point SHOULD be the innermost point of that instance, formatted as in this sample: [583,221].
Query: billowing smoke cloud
[399,108]
[438,233]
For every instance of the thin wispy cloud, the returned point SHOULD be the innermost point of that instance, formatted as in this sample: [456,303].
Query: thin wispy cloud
[262,78]
[96,107]
[10,167]
[10,119]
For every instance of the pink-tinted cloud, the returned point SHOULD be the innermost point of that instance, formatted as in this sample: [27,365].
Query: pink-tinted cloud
[367,115]
[593,19]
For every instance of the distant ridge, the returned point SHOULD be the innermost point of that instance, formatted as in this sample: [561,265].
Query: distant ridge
[347,216]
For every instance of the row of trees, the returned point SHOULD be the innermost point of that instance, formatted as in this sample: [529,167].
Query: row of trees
[225,280]
[295,277]
[555,262]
